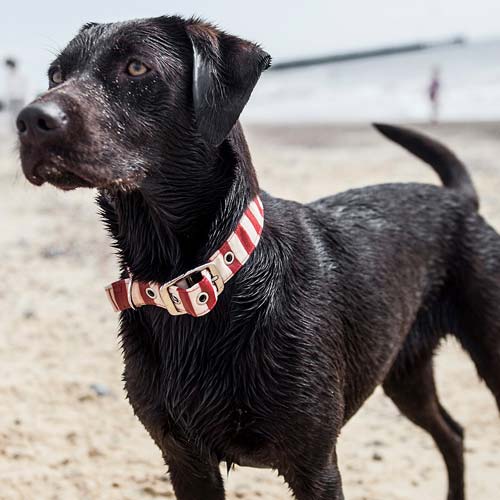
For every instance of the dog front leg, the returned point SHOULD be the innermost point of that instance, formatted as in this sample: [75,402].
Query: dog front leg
[322,483]
[195,480]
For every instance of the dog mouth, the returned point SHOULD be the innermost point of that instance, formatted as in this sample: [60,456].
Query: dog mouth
[63,178]
[60,178]
[68,170]
[65,171]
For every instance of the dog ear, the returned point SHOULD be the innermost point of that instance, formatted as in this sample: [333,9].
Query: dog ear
[225,71]
[87,26]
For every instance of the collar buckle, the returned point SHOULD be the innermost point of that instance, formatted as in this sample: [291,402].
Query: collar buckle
[166,296]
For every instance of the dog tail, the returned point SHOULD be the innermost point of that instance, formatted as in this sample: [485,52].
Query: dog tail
[451,170]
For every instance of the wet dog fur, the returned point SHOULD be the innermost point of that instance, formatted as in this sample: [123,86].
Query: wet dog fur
[340,296]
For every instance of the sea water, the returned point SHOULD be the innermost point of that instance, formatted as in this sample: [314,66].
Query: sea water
[391,88]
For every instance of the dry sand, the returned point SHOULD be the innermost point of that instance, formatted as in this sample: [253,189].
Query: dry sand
[60,440]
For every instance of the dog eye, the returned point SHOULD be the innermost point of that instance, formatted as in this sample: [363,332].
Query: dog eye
[56,76]
[137,68]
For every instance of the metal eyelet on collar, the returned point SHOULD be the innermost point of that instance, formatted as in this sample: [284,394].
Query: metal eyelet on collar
[202,298]
[150,293]
[229,257]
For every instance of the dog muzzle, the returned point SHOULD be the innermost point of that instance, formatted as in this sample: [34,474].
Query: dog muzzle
[196,291]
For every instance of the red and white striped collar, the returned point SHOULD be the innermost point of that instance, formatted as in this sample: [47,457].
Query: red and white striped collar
[196,291]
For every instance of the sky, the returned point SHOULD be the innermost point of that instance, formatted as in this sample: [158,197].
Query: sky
[34,30]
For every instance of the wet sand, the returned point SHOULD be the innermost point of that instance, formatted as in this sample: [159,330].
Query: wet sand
[60,439]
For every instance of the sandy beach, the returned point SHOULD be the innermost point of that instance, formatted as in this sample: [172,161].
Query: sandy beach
[66,429]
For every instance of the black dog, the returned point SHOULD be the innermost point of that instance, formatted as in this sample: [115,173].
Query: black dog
[339,296]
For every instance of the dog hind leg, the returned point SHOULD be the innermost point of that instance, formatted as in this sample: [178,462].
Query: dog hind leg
[487,361]
[480,337]
[414,393]
[478,303]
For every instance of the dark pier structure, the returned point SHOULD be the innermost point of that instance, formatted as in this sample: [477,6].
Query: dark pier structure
[365,54]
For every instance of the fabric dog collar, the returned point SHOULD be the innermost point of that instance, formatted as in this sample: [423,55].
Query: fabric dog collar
[196,291]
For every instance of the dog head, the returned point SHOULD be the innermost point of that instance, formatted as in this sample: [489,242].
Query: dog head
[131,100]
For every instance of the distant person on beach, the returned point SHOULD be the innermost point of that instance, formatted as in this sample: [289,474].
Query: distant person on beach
[434,94]
[15,89]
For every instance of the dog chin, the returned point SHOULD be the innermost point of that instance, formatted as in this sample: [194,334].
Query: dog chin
[69,182]
[68,176]
[59,177]
[65,177]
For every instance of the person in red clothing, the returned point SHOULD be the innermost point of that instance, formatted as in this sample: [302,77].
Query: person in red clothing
[434,94]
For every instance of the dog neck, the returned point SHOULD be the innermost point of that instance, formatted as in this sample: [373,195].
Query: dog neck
[162,230]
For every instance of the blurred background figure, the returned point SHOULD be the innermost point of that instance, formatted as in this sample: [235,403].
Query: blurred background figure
[15,89]
[434,92]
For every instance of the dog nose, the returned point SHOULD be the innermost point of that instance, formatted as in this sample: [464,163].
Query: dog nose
[40,123]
